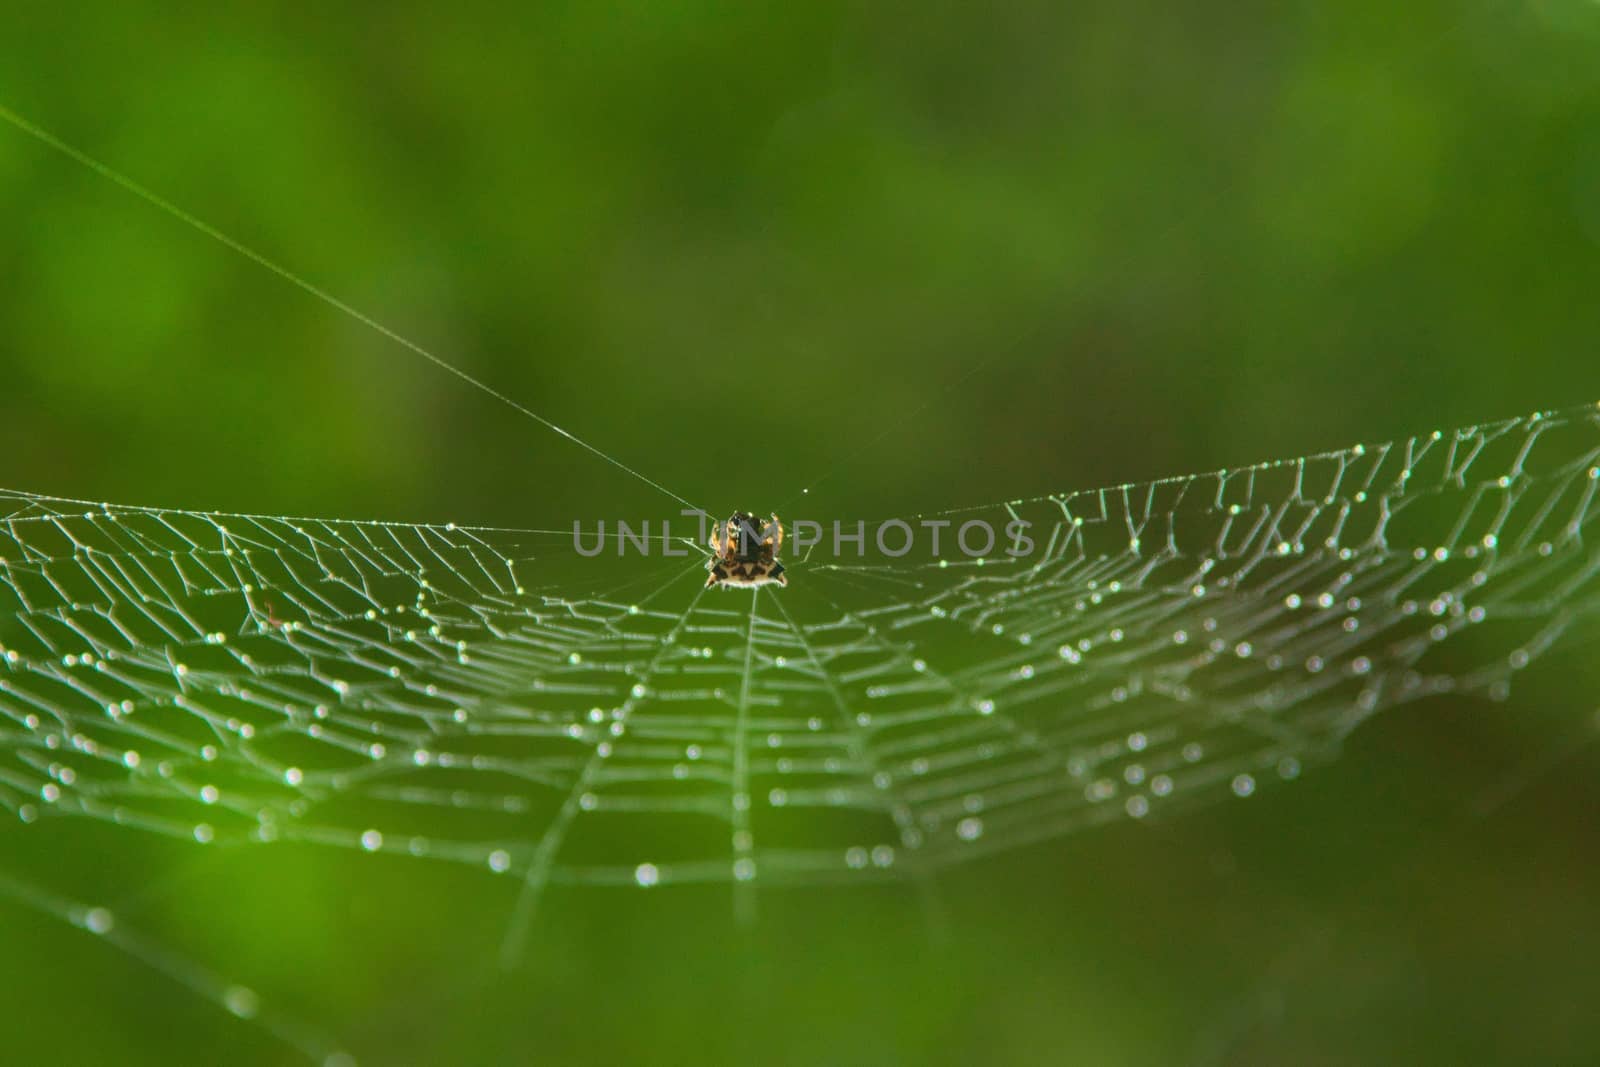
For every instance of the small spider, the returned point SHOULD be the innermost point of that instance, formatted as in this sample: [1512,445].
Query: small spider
[744,552]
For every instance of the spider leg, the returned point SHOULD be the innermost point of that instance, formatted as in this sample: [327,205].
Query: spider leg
[776,538]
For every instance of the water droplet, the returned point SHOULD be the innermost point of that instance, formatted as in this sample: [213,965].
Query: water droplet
[242,1001]
[1102,789]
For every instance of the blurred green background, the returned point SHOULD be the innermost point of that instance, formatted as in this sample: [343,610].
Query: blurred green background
[933,254]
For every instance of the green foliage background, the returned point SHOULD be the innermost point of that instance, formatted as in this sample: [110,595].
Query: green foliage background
[1044,246]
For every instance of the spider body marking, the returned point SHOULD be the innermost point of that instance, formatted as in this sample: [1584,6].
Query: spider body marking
[744,552]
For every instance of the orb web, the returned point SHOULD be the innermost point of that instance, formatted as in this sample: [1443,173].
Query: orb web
[471,695]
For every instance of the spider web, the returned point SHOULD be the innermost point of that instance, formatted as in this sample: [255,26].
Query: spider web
[434,691]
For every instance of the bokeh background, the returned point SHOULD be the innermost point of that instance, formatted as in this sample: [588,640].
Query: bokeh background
[926,255]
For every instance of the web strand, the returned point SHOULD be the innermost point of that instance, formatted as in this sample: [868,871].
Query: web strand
[188,219]
[537,876]
[237,1000]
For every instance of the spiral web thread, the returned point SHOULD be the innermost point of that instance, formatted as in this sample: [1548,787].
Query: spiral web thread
[429,690]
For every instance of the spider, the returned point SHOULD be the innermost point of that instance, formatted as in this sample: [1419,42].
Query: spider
[744,552]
